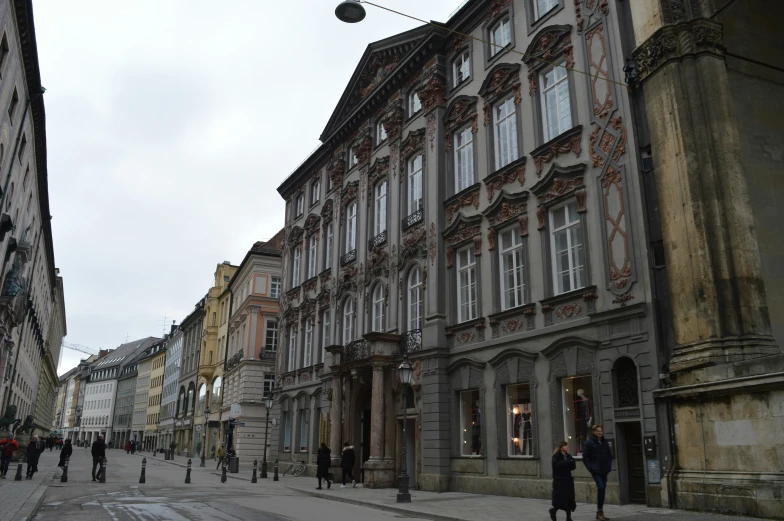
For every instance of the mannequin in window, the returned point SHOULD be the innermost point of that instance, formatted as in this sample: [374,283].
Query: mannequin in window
[527,447]
[583,417]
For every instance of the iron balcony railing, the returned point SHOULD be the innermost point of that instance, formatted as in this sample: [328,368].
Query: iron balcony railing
[378,240]
[356,350]
[414,218]
[268,354]
[411,342]
[349,257]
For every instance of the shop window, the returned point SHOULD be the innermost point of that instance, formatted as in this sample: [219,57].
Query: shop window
[520,420]
[470,423]
[578,409]
[287,431]
[304,429]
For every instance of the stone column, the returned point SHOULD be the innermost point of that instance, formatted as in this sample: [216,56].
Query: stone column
[390,417]
[377,414]
[335,416]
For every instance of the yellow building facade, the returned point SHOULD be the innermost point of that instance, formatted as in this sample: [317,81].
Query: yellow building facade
[154,399]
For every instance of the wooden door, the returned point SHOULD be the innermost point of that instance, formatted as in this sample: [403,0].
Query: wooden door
[635,462]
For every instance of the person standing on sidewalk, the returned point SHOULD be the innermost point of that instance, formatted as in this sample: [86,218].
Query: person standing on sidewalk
[7,447]
[34,450]
[323,462]
[563,482]
[347,460]
[98,452]
[597,458]
[65,452]
[221,455]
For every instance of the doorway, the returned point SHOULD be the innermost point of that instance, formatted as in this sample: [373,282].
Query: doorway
[635,462]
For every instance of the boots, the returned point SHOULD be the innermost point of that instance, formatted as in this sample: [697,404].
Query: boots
[600,516]
[552,514]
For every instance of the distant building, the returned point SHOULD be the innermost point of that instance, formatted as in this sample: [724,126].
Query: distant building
[171,382]
[189,369]
[157,362]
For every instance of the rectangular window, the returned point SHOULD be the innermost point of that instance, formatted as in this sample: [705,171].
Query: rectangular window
[275,287]
[269,383]
[505,133]
[315,191]
[381,208]
[578,410]
[295,267]
[466,283]
[461,68]
[500,36]
[470,424]
[512,284]
[352,158]
[415,185]
[300,204]
[325,332]
[271,339]
[287,431]
[567,245]
[351,227]
[520,420]
[556,108]
[292,348]
[304,429]
[312,256]
[12,106]
[328,248]
[308,343]
[542,7]
[378,308]
[414,104]
[381,133]
[464,159]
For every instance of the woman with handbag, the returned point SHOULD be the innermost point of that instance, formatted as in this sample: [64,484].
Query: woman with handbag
[323,462]
[563,482]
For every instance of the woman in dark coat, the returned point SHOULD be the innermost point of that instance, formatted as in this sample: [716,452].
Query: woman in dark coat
[563,482]
[34,450]
[66,452]
[323,462]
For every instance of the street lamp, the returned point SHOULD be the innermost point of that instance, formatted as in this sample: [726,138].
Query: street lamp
[204,435]
[405,372]
[268,404]
[350,11]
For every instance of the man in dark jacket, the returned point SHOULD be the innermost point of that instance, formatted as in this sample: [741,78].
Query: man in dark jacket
[98,452]
[34,450]
[347,460]
[597,458]
[65,452]
[323,462]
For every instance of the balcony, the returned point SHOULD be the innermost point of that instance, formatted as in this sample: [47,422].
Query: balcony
[411,342]
[268,354]
[349,257]
[356,350]
[414,218]
[378,240]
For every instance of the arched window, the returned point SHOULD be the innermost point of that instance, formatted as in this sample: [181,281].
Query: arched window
[378,308]
[202,398]
[626,391]
[348,321]
[216,387]
[415,299]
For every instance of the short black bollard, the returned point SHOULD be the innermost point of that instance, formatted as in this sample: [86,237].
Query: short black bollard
[188,472]
[223,472]
[275,476]
[102,478]
[64,477]
[255,467]
[143,477]
[18,476]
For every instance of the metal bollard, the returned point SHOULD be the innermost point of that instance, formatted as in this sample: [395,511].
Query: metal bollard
[223,472]
[18,476]
[143,477]
[188,472]
[255,466]
[102,478]
[275,476]
[64,477]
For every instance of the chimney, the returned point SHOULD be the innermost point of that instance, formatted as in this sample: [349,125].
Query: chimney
[173,327]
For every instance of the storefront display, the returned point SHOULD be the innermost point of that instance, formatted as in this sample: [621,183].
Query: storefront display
[520,420]
[471,423]
[578,410]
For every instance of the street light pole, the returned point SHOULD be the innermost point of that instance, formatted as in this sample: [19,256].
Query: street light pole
[204,437]
[268,404]
[404,372]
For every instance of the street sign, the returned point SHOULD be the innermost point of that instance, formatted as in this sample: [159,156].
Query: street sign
[198,428]
[238,424]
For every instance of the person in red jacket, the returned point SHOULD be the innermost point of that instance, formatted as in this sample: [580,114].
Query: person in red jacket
[7,447]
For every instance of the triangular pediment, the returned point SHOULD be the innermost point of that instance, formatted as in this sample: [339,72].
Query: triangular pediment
[380,59]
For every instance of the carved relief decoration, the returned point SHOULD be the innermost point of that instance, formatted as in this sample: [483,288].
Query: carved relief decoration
[376,173]
[431,130]
[465,336]
[393,261]
[312,225]
[607,141]
[462,230]
[512,325]
[460,111]
[393,122]
[568,142]
[559,182]
[295,237]
[335,167]
[509,207]
[455,204]
[503,78]
[347,280]
[350,193]
[433,244]
[377,69]
[496,8]
[599,71]
[433,94]
[568,311]
[514,171]
[544,50]
[414,141]
[394,153]
[327,211]
[378,265]
[414,245]
[617,240]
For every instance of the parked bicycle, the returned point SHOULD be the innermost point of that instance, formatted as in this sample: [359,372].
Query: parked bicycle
[297,468]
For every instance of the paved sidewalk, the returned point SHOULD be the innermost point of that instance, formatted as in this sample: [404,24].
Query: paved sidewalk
[20,500]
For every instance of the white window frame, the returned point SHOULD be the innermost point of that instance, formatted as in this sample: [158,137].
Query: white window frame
[292,349]
[271,327]
[415,184]
[461,68]
[308,351]
[540,11]
[328,247]
[378,308]
[351,227]
[381,207]
[466,269]
[275,287]
[325,331]
[415,299]
[572,249]
[464,159]
[312,256]
[353,160]
[381,133]
[500,35]
[505,126]
[563,108]
[516,254]
[414,103]
[295,266]
[348,321]
[300,208]
[315,191]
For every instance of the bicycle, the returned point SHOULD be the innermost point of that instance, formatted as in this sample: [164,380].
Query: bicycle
[297,468]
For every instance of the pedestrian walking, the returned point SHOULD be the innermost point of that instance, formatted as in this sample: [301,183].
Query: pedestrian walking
[347,460]
[133,447]
[65,452]
[128,447]
[597,458]
[563,482]
[323,462]
[221,455]
[7,447]
[34,450]
[98,452]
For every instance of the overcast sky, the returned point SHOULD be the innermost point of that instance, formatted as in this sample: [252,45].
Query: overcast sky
[169,125]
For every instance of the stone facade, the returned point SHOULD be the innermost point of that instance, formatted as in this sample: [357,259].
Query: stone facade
[171,381]
[153,438]
[189,369]
[435,213]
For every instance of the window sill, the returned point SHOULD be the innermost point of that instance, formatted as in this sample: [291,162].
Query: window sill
[474,322]
[539,22]
[517,458]
[462,193]
[525,309]
[478,456]
[563,137]
[569,295]
[314,203]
